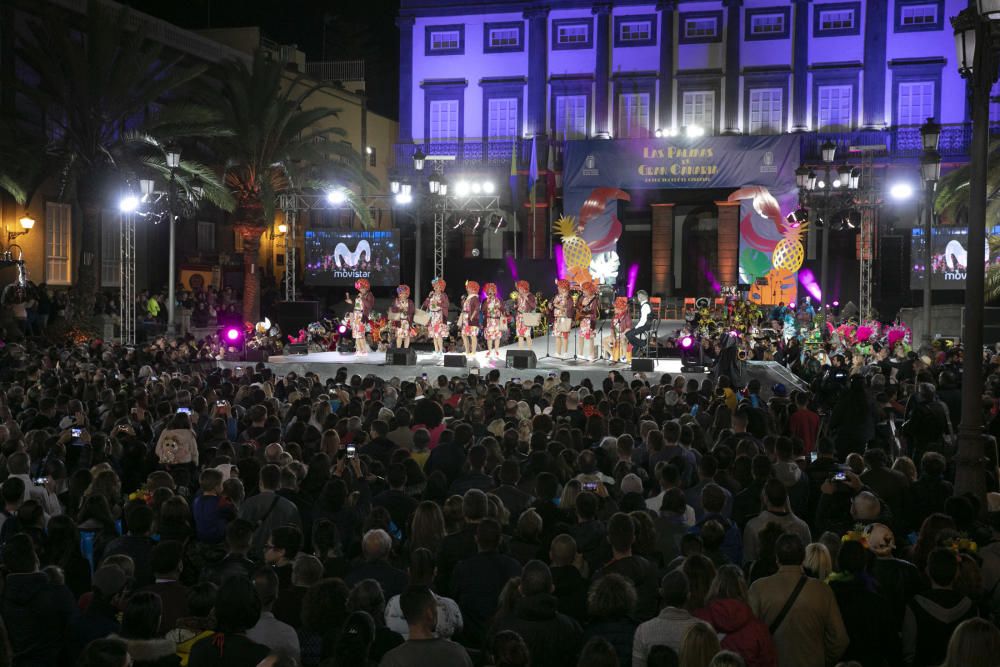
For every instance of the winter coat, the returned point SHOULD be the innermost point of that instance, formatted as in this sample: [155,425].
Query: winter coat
[618,631]
[866,616]
[152,652]
[929,622]
[27,599]
[740,631]
[554,639]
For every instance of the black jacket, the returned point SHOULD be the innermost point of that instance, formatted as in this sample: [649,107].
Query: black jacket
[553,639]
[454,548]
[38,616]
[866,617]
[476,585]
[646,578]
[393,581]
[233,565]
[570,591]
[618,631]
[399,505]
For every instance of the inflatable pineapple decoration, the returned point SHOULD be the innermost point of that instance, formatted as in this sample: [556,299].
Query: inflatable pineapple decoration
[576,252]
[789,253]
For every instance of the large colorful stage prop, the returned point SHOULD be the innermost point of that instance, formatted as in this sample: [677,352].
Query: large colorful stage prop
[599,173]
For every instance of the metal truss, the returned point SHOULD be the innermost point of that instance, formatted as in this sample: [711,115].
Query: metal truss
[126,277]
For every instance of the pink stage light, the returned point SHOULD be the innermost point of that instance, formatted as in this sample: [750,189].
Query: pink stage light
[512,266]
[633,275]
[232,334]
[808,280]
[560,264]
[342,329]
[686,342]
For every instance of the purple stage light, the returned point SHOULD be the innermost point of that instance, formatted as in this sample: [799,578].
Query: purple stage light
[633,275]
[560,263]
[232,334]
[808,280]
[836,304]
[512,267]
[342,329]
[687,341]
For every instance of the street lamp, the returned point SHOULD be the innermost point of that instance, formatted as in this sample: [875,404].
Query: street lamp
[418,160]
[173,154]
[977,62]
[26,222]
[930,174]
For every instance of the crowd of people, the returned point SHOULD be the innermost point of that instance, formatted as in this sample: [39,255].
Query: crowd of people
[159,511]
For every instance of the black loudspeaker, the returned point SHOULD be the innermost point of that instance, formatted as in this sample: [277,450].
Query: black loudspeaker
[290,316]
[642,365]
[455,360]
[256,355]
[404,357]
[521,359]
[297,348]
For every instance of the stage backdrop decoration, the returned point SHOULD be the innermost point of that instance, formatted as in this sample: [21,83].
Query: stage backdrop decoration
[576,251]
[771,251]
[597,174]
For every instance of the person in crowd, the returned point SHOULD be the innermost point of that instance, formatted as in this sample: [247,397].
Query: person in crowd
[421,571]
[670,626]
[801,612]
[237,610]
[729,613]
[269,631]
[376,547]
[423,646]
[140,631]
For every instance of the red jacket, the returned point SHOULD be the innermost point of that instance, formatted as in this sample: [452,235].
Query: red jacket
[804,424]
[740,631]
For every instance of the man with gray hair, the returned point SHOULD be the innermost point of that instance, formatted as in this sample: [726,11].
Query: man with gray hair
[645,320]
[376,546]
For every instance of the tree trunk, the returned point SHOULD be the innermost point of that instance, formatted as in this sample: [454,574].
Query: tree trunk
[251,273]
[86,269]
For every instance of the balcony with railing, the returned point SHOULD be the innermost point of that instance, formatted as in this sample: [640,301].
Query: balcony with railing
[348,73]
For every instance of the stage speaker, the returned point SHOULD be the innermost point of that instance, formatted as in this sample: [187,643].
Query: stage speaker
[455,360]
[256,355]
[521,359]
[297,348]
[404,357]
[233,355]
[643,365]
[290,316]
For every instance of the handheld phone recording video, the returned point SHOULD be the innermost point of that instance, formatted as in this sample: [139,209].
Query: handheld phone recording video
[590,486]
[840,477]
[183,411]
[76,432]
[351,451]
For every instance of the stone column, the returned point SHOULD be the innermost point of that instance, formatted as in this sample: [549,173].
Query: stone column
[538,69]
[800,66]
[876,26]
[602,68]
[733,37]
[405,24]
[666,106]
[663,249]
[728,270]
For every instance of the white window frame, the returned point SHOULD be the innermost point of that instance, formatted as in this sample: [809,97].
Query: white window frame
[501,118]
[633,115]
[573,33]
[701,25]
[446,40]
[698,108]
[835,19]
[825,110]
[441,129]
[58,243]
[764,24]
[905,91]
[205,232]
[635,31]
[765,113]
[501,38]
[573,119]
[911,16]
[111,248]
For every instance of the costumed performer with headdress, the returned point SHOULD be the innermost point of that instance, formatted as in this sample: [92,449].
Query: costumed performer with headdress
[589,307]
[616,345]
[401,313]
[562,316]
[363,304]
[468,321]
[526,303]
[436,304]
[495,320]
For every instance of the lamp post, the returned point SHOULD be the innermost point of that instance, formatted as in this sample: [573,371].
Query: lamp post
[930,174]
[173,162]
[977,60]
[26,222]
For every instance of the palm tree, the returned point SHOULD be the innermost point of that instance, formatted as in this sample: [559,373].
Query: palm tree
[277,141]
[952,201]
[100,96]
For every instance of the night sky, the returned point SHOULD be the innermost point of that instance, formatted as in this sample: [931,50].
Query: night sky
[354,29]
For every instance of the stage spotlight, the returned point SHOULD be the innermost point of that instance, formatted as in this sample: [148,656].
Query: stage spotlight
[692,355]
[476,187]
[489,188]
[404,198]
[336,197]
[342,329]
[901,191]
[797,217]
[128,204]
[686,342]
[659,133]
[694,131]
[462,189]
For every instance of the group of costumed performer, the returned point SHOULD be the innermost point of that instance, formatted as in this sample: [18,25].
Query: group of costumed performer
[526,304]
[589,309]
[401,314]
[616,346]
[436,305]
[496,320]
[468,320]
[363,304]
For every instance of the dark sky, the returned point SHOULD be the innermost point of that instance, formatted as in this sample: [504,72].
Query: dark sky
[354,29]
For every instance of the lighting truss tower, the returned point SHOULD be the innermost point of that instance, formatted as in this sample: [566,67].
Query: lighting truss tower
[439,215]
[289,204]
[868,202]
[126,278]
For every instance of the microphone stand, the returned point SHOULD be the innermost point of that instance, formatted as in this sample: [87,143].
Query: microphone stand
[548,336]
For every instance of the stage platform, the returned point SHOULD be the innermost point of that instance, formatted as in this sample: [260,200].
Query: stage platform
[327,364]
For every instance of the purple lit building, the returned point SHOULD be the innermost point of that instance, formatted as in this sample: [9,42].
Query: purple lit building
[479,77]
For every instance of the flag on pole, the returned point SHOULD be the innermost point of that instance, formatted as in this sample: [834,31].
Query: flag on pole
[513,170]
[533,165]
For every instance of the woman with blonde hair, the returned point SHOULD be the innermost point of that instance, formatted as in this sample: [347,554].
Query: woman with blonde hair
[701,644]
[975,643]
[818,563]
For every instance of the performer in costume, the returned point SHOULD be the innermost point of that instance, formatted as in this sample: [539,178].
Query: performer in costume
[645,314]
[495,321]
[401,314]
[526,303]
[468,321]
[589,307]
[562,316]
[363,304]
[616,345]
[436,304]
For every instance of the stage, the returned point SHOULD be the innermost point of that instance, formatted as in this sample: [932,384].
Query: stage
[327,364]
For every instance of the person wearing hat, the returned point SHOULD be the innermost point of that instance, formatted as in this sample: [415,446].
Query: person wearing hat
[101,616]
[363,305]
